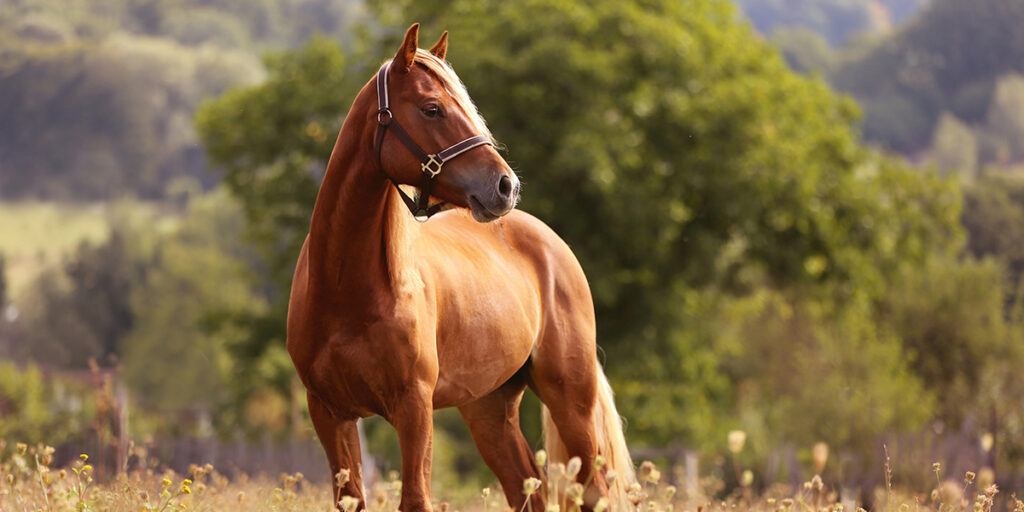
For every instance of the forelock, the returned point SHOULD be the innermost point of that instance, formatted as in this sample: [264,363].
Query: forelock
[453,85]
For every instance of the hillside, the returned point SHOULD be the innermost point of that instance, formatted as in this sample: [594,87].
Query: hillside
[836,20]
[98,95]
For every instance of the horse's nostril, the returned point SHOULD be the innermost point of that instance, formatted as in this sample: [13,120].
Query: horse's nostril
[505,186]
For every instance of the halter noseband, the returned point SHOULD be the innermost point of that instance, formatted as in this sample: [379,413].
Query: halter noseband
[430,164]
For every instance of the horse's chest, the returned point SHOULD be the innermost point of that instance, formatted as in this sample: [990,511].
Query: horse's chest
[364,372]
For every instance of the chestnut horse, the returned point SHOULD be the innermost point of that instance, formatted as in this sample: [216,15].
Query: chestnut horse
[397,318]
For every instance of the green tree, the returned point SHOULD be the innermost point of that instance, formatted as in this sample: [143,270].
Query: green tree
[40,408]
[82,311]
[993,217]
[173,358]
[951,319]
[272,142]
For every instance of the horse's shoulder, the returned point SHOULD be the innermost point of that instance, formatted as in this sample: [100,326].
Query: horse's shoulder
[533,232]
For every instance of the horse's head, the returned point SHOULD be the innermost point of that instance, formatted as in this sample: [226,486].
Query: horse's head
[428,102]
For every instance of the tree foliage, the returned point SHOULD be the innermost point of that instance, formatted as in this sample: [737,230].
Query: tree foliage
[272,142]
[40,408]
[82,312]
[192,272]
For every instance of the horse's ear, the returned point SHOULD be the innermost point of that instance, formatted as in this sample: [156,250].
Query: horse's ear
[440,48]
[407,53]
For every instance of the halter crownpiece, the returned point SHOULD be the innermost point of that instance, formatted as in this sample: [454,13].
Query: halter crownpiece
[430,164]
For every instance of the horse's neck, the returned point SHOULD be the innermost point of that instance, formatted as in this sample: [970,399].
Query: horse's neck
[360,232]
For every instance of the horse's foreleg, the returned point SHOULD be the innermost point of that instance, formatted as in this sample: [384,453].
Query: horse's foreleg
[413,419]
[340,438]
[494,423]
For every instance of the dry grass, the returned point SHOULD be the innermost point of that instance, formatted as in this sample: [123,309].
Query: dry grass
[28,483]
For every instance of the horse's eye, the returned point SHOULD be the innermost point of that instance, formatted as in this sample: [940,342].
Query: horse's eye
[432,110]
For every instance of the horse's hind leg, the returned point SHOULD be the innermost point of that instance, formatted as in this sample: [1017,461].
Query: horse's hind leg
[340,438]
[493,421]
[564,376]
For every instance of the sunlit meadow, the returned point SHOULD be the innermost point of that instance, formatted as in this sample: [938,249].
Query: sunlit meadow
[29,483]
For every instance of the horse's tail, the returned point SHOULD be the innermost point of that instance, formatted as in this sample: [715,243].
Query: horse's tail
[611,443]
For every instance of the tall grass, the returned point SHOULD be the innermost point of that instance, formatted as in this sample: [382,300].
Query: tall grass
[29,483]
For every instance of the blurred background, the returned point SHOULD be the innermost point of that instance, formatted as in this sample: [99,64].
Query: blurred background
[801,219]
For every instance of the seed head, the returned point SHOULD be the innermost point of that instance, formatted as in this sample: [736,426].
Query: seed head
[575,491]
[542,457]
[816,483]
[991,491]
[987,441]
[950,493]
[969,476]
[573,468]
[349,503]
[647,469]
[530,486]
[737,438]
[342,477]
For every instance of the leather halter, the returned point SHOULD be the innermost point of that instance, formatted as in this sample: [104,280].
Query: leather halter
[430,164]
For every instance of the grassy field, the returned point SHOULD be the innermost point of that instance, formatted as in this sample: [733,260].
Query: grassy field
[37,234]
[28,483]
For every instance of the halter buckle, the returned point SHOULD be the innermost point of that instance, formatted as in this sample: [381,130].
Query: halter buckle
[384,116]
[432,166]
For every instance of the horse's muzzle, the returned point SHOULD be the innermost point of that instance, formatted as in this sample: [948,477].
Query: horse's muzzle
[496,201]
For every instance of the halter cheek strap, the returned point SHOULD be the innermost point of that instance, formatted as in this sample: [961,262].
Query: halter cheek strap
[430,164]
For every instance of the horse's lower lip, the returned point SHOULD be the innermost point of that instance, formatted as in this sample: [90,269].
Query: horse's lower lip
[480,209]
